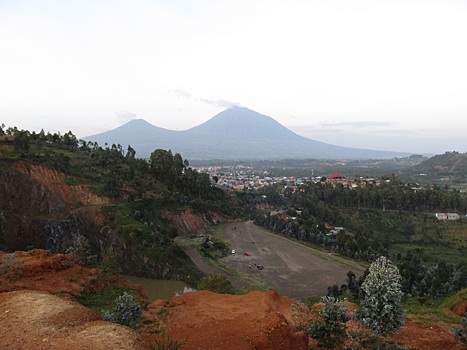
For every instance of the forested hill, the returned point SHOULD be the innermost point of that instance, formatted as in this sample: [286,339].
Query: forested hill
[449,163]
[64,194]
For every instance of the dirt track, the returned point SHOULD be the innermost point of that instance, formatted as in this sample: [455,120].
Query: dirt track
[289,267]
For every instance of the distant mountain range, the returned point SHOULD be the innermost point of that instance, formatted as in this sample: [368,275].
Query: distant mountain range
[237,133]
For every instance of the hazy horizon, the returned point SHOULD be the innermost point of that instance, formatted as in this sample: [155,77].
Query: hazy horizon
[366,74]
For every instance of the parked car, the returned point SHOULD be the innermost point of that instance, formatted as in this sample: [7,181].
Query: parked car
[259,267]
[247,254]
[233,251]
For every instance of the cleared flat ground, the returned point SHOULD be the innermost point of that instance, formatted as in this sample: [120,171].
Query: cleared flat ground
[289,267]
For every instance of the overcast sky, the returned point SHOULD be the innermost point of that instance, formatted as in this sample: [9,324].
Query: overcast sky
[389,75]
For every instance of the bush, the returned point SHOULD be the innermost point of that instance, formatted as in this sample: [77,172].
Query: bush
[330,331]
[217,284]
[126,311]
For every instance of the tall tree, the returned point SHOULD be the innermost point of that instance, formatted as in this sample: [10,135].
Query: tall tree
[382,294]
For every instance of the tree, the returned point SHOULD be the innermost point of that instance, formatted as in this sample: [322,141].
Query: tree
[161,162]
[21,141]
[131,153]
[330,331]
[382,294]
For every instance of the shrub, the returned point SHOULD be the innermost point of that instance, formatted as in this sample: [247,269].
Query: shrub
[460,333]
[126,311]
[330,331]
[80,247]
[217,284]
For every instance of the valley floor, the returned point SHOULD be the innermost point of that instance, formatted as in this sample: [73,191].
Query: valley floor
[289,267]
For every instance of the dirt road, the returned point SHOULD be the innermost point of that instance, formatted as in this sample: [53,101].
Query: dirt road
[289,267]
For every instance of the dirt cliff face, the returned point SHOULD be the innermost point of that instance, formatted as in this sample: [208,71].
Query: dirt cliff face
[36,189]
[187,222]
[206,320]
[39,210]
[41,270]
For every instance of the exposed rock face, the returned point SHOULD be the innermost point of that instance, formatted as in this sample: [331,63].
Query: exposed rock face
[187,222]
[38,320]
[205,320]
[38,209]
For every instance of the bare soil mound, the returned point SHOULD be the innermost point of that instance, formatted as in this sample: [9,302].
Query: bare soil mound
[205,320]
[416,336]
[39,320]
[40,270]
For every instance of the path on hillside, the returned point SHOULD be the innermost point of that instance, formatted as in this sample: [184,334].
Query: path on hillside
[207,269]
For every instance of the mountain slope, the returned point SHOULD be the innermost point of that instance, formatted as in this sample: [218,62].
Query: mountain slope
[449,163]
[135,132]
[236,133]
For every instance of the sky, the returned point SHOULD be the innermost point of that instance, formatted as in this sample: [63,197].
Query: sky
[387,75]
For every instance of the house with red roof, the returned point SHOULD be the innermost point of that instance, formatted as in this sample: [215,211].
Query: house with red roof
[337,178]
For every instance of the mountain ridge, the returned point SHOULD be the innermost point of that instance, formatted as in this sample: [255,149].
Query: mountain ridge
[237,133]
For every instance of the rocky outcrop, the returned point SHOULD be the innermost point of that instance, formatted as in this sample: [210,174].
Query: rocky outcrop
[39,320]
[205,320]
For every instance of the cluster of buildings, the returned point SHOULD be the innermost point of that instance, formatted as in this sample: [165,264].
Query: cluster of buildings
[447,216]
[241,179]
[247,178]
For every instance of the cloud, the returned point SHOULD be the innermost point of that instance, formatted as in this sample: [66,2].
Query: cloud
[354,124]
[335,127]
[180,93]
[219,103]
[353,129]
[125,116]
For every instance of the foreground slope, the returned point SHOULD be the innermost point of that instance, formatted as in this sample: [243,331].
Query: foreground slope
[39,320]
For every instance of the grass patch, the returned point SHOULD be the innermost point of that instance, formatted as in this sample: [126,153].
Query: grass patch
[103,299]
[432,254]
[429,311]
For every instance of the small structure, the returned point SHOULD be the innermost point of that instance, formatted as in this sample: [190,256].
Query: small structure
[453,216]
[441,216]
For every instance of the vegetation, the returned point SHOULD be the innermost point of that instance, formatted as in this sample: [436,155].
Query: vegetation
[104,298]
[126,311]
[136,234]
[431,310]
[387,218]
[168,344]
[217,284]
[330,330]
[382,296]
[460,333]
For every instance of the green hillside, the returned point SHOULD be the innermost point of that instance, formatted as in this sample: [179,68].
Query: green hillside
[111,207]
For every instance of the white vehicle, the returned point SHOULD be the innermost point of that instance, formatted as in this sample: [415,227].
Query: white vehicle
[233,251]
